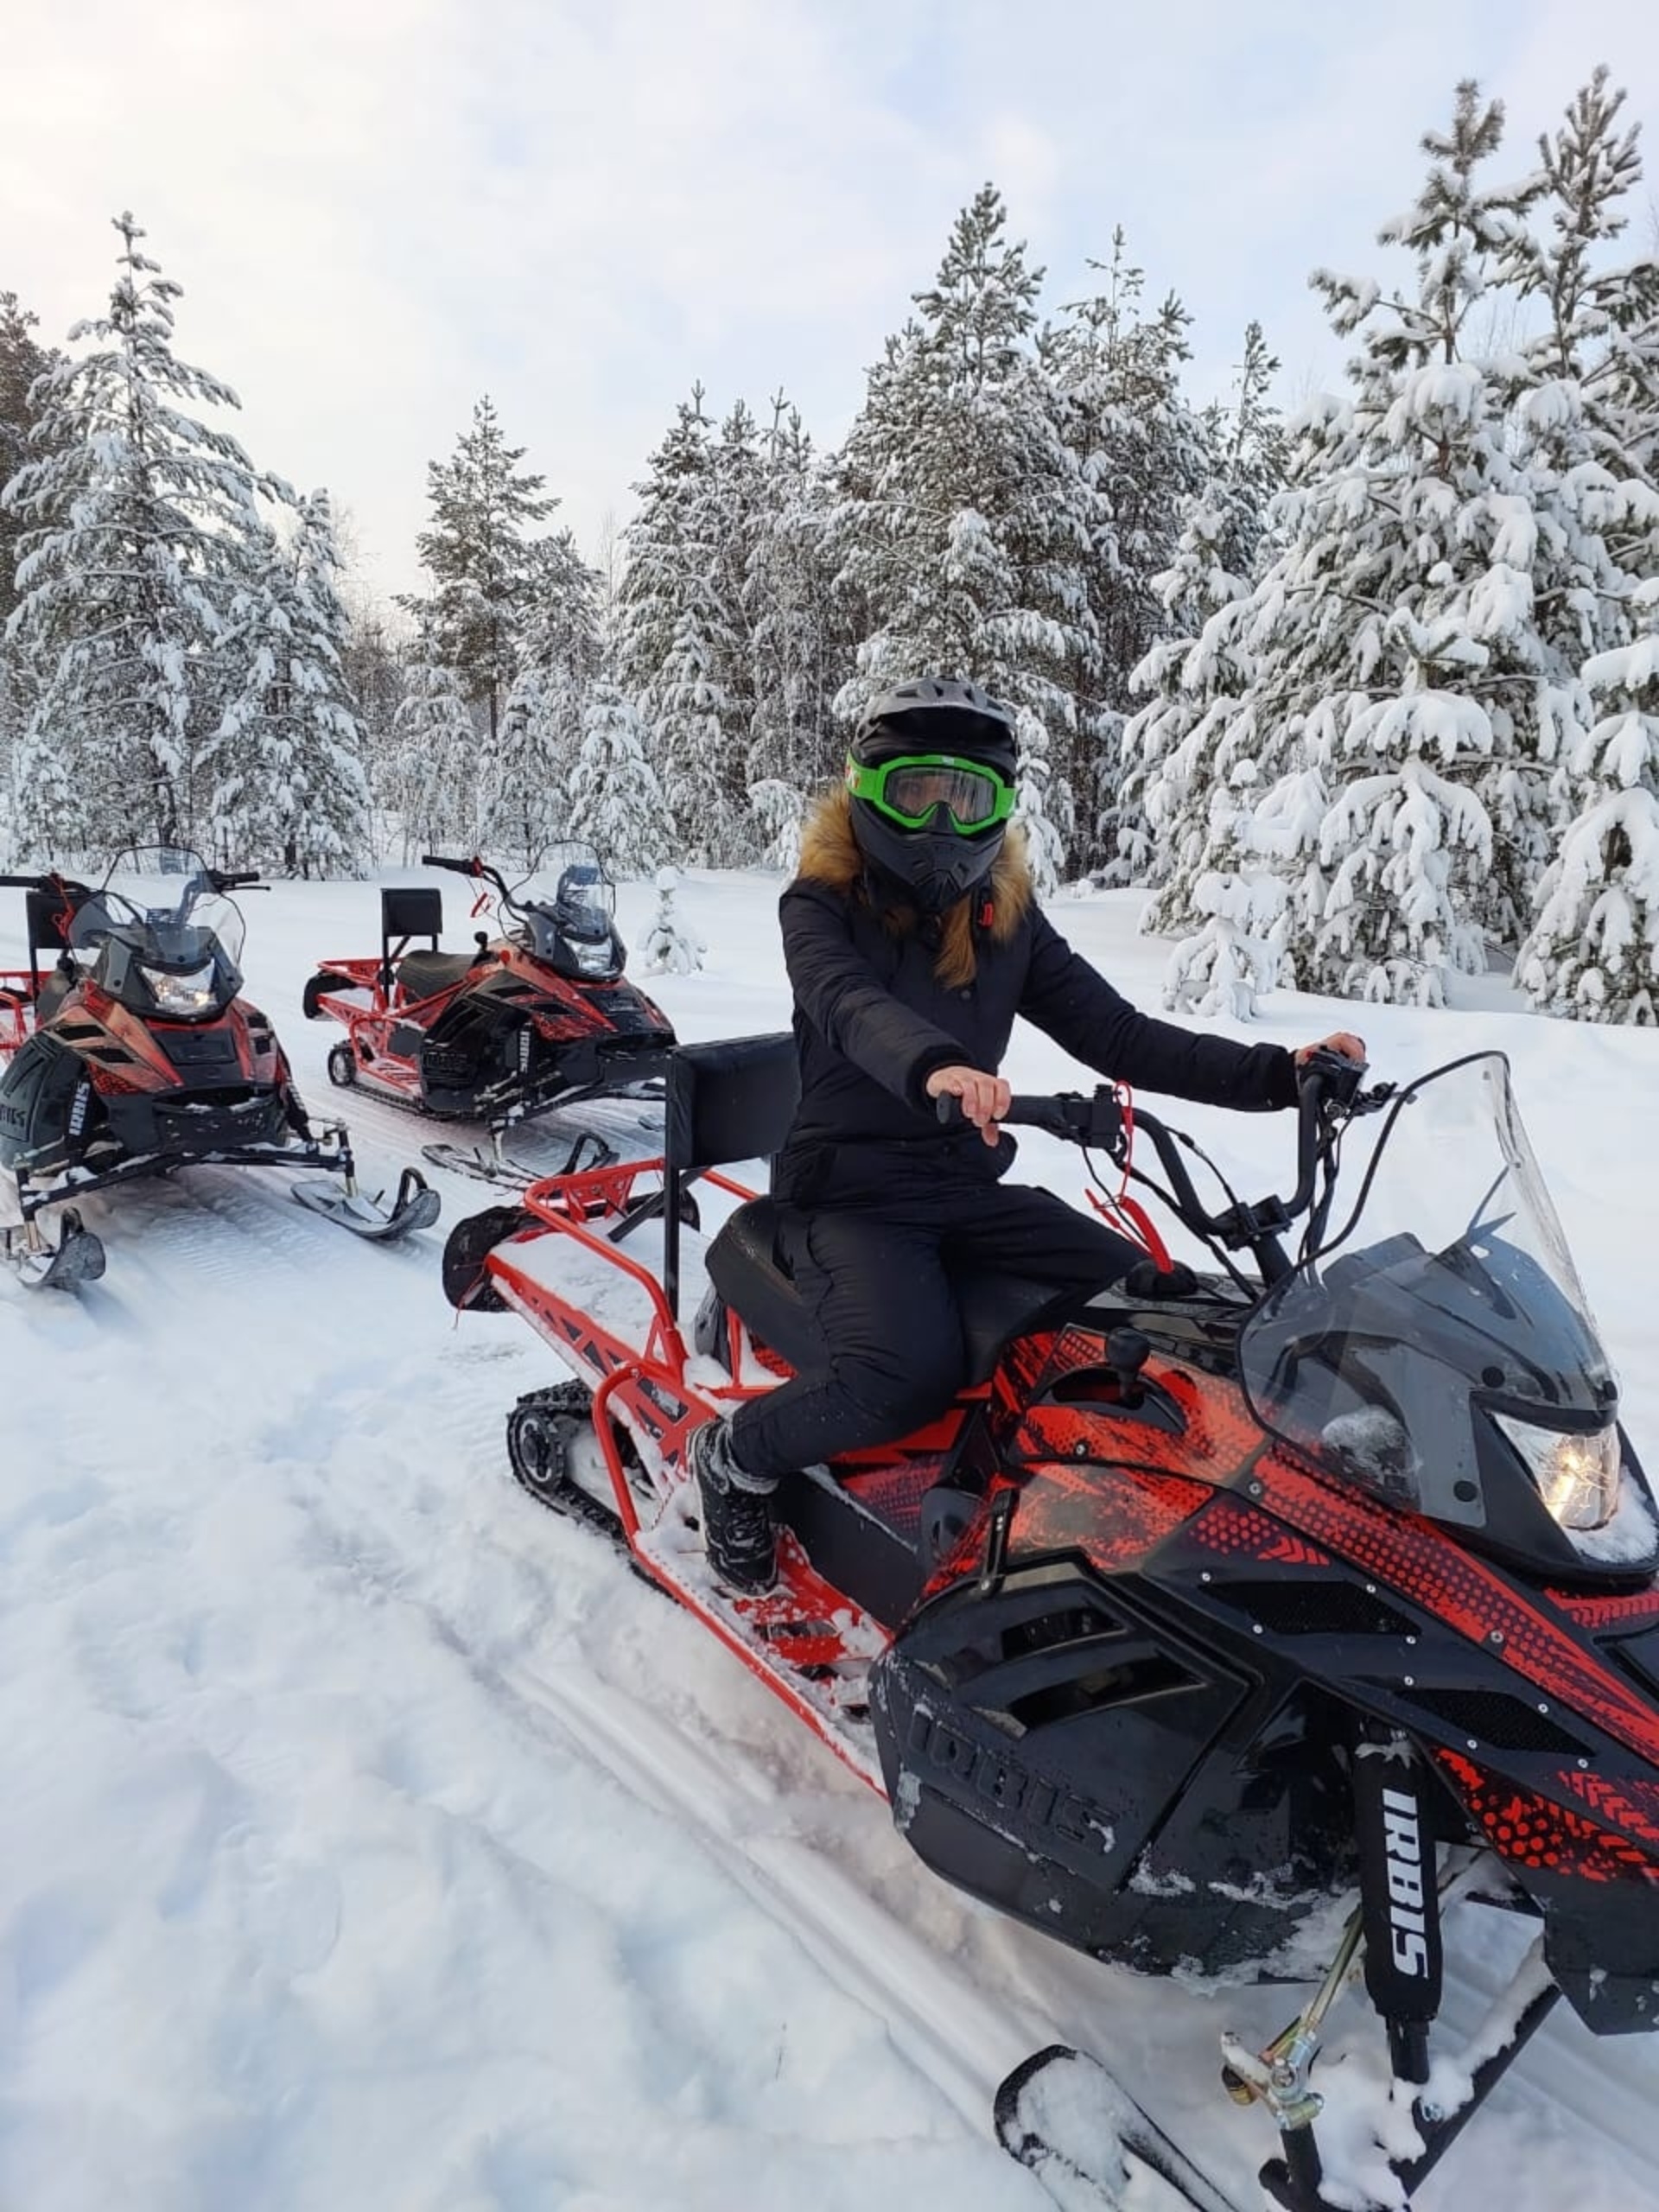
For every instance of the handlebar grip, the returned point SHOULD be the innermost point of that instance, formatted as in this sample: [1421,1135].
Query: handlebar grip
[1339,1079]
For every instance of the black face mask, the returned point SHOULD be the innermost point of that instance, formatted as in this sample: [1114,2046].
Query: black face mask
[932,870]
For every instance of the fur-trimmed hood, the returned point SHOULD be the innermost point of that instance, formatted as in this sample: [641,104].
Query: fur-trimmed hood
[830,856]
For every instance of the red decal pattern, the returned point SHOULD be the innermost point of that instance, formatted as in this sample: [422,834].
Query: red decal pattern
[1632,1804]
[895,1494]
[1546,1837]
[1470,1597]
[1065,1507]
[1230,1527]
[1636,1609]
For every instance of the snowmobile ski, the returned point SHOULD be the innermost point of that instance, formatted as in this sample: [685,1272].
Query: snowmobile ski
[78,1256]
[500,1170]
[416,1206]
[1090,2144]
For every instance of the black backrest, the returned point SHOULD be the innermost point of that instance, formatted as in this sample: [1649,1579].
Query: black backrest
[734,1099]
[48,914]
[412,910]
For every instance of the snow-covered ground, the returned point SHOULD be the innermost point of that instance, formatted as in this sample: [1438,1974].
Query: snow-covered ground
[371,1838]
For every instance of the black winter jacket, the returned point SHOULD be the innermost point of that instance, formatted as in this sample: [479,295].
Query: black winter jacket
[873,1020]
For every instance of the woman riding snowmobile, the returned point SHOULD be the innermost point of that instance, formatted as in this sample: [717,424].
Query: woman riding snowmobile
[913,938]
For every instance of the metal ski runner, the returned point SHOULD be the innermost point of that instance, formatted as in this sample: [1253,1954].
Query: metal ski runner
[416,1206]
[1091,2145]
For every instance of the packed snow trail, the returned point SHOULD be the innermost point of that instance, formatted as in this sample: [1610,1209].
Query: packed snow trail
[310,1897]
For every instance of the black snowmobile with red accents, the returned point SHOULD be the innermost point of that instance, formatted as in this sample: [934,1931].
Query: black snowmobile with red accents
[538,1017]
[131,1053]
[1222,1611]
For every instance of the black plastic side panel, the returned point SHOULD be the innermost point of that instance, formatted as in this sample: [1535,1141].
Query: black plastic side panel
[46,1104]
[1045,1750]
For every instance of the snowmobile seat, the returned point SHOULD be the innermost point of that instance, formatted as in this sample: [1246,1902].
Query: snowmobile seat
[748,1265]
[423,975]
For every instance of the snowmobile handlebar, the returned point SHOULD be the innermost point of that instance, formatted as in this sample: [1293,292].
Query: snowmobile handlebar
[1328,1092]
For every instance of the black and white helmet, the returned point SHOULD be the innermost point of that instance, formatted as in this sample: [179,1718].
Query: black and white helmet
[938,860]
[943,713]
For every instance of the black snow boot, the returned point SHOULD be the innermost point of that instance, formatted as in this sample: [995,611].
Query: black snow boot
[736,1509]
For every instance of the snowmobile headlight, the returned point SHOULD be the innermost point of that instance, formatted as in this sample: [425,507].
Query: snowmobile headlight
[190,993]
[1577,1476]
[593,959]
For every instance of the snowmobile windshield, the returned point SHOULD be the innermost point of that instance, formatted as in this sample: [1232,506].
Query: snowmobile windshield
[572,892]
[159,901]
[1445,1310]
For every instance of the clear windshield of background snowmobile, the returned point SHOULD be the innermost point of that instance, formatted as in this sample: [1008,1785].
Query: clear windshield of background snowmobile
[1451,1291]
[160,899]
[572,890]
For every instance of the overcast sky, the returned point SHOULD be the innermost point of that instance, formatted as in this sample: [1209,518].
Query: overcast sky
[379,209]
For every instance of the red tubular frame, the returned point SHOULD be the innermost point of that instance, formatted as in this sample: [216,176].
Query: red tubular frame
[16,1008]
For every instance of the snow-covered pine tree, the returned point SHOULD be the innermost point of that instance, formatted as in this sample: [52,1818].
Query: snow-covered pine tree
[1603,319]
[23,363]
[1034,810]
[1594,952]
[1115,374]
[614,798]
[525,773]
[484,567]
[801,650]
[133,516]
[430,783]
[964,522]
[673,637]
[1189,752]
[1403,670]
[289,789]
[780,808]
[670,945]
[375,678]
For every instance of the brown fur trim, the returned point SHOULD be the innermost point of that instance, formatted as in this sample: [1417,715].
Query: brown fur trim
[830,856]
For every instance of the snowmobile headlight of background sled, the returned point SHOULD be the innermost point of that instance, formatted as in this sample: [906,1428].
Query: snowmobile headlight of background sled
[190,993]
[1577,1475]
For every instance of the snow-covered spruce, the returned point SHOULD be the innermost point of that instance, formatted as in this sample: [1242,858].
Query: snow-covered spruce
[966,521]
[669,946]
[428,778]
[287,784]
[1191,751]
[1594,951]
[1453,551]
[1113,374]
[136,520]
[614,797]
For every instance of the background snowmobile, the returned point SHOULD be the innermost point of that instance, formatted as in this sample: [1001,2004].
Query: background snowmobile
[133,1055]
[1210,1608]
[537,1018]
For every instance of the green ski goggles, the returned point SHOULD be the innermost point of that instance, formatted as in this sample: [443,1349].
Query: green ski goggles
[911,789]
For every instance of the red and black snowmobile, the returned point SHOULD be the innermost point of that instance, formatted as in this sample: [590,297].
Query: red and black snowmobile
[538,1017]
[132,1055]
[1222,1610]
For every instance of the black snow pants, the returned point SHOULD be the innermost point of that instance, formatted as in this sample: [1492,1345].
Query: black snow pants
[880,1282]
